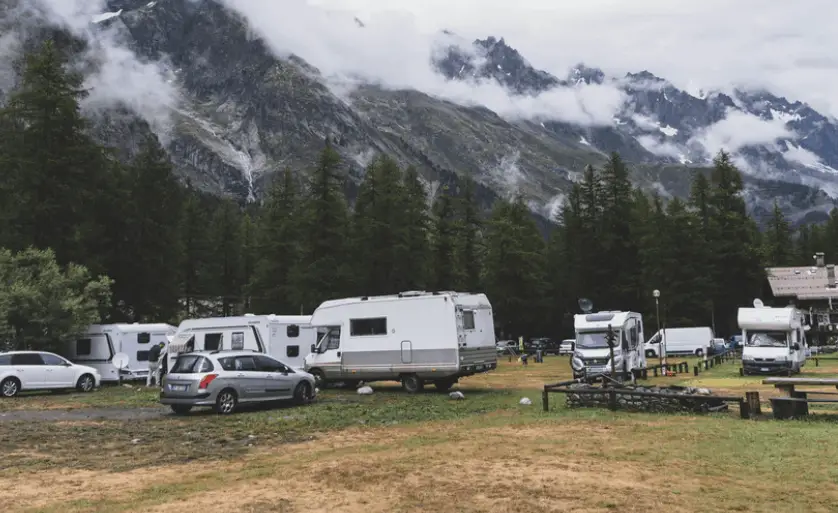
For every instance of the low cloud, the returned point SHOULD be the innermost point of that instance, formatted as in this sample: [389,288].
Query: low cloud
[738,130]
[394,52]
[120,78]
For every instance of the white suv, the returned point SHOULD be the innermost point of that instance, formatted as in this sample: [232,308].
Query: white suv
[39,370]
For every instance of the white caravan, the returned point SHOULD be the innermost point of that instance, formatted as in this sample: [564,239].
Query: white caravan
[98,345]
[695,341]
[774,340]
[592,355]
[285,337]
[413,337]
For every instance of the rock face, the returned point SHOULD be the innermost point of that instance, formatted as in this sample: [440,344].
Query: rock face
[670,402]
[243,113]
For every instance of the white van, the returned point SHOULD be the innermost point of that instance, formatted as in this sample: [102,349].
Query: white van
[694,341]
[412,337]
[285,337]
[774,340]
[98,345]
[591,354]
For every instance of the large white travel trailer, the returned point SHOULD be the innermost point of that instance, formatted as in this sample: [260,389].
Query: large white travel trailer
[694,341]
[413,337]
[98,345]
[774,340]
[285,337]
[592,355]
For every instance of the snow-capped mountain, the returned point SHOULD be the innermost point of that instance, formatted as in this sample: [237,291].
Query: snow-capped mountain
[243,113]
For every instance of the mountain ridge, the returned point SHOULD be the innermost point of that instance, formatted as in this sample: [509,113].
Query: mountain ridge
[244,114]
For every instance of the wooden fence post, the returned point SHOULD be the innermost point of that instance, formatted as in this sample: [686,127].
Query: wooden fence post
[753,402]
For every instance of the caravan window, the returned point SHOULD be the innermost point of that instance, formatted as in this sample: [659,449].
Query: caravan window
[368,327]
[212,341]
[143,338]
[237,342]
[292,331]
[83,347]
[468,320]
[142,356]
[292,351]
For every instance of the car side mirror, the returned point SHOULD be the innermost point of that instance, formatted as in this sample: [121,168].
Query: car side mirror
[313,348]
[796,346]
[67,364]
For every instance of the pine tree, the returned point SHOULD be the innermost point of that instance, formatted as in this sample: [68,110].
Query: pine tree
[279,245]
[378,228]
[414,249]
[324,271]
[778,247]
[468,251]
[515,274]
[684,301]
[620,252]
[153,238]
[443,259]
[53,172]
[195,244]
[248,256]
[225,266]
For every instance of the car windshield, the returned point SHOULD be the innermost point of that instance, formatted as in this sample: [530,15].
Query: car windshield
[191,364]
[594,340]
[767,339]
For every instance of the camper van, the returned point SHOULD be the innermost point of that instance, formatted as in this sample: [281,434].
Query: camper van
[285,337]
[98,345]
[774,340]
[592,355]
[413,337]
[696,341]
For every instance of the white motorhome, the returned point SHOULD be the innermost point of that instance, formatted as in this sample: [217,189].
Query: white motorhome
[592,355]
[695,341]
[413,337]
[774,340]
[98,345]
[285,337]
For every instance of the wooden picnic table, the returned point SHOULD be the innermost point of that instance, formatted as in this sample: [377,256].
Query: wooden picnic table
[793,403]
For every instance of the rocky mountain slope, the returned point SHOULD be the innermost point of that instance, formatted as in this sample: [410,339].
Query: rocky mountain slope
[243,114]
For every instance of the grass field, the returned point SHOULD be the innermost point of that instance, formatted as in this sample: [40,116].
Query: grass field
[390,452]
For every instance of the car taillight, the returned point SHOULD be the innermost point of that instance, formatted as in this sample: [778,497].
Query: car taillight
[206,381]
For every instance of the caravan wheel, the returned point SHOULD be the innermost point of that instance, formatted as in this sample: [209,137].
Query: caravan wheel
[412,383]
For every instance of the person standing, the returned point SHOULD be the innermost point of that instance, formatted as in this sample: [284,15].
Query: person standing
[153,364]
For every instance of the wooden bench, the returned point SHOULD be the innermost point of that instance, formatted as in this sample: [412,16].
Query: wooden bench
[794,403]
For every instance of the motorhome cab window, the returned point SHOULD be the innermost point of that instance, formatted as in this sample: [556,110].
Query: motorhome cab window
[212,341]
[767,339]
[142,356]
[292,351]
[143,338]
[468,320]
[83,347]
[292,331]
[368,327]
[593,340]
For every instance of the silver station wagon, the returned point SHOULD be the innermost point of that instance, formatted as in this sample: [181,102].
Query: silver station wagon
[225,379]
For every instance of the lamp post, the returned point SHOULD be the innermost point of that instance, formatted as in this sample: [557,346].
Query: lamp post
[657,294]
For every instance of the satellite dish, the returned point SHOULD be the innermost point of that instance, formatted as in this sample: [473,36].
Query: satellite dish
[586,305]
[120,361]
[758,303]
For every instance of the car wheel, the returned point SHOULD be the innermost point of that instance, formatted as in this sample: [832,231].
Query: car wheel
[10,387]
[699,352]
[302,393]
[86,383]
[412,383]
[226,402]
[650,354]
[181,409]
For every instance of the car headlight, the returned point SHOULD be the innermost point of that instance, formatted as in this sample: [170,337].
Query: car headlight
[576,363]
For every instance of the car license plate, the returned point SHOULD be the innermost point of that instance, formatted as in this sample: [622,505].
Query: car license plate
[764,369]
[178,388]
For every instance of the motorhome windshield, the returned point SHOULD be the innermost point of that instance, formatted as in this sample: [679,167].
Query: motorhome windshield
[767,339]
[594,339]
[328,338]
